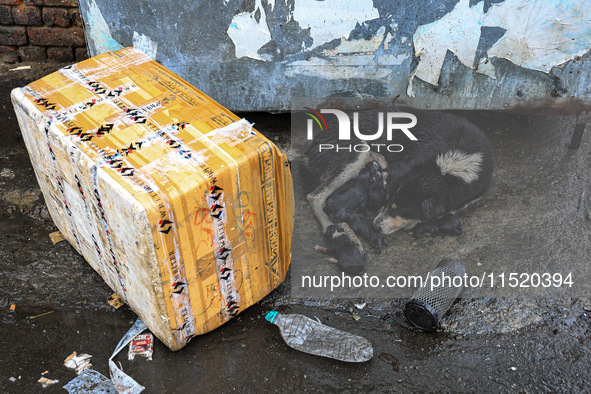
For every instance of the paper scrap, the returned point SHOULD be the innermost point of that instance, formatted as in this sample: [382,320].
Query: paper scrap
[56,237]
[92,382]
[115,301]
[47,382]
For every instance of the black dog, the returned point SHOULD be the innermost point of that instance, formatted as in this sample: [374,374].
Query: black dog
[447,167]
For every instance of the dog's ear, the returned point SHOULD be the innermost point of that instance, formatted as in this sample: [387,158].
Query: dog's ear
[432,208]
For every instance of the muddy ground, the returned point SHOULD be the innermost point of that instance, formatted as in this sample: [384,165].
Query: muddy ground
[532,218]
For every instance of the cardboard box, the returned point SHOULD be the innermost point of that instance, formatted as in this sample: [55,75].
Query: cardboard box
[184,209]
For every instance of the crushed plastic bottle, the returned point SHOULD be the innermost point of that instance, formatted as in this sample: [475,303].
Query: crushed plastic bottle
[310,336]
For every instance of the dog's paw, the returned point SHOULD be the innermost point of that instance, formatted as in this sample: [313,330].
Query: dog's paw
[319,248]
[424,229]
[446,225]
[377,241]
[449,225]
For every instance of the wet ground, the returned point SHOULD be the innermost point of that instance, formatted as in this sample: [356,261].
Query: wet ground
[531,219]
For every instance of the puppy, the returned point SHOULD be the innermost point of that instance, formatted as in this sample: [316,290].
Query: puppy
[345,253]
[365,193]
[363,226]
[350,197]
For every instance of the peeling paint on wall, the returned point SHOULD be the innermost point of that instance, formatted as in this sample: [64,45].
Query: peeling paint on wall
[485,67]
[249,32]
[95,24]
[458,31]
[345,67]
[541,34]
[355,58]
[361,45]
[144,44]
[273,50]
[332,19]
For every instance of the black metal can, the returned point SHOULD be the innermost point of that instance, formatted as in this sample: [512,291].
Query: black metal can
[429,303]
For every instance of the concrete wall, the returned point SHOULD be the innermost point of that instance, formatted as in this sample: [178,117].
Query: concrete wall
[39,30]
[258,54]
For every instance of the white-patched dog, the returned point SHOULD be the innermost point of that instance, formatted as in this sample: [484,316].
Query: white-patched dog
[448,166]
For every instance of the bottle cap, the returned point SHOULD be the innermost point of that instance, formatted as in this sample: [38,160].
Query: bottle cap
[271,316]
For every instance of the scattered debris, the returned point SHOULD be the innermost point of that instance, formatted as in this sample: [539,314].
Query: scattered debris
[385,357]
[45,373]
[56,237]
[513,368]
[356,316]
[79,363]
[93,382]
[142,345]
[122,381]
[12,379]
[47,382]
[11,316]
[7,173]
[36,316]
[8,318]
[360,305]
[20,68]
[115,301]
[90,381]
[309,336]
[387,316]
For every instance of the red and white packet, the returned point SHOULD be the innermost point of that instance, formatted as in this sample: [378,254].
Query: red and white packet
[141,345]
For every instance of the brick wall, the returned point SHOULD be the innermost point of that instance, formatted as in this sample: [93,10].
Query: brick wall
[39,30]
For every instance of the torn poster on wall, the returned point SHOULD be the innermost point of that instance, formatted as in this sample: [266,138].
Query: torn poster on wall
[273,50]
[539,35]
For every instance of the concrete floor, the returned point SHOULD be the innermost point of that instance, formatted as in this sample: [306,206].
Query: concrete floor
[523,340]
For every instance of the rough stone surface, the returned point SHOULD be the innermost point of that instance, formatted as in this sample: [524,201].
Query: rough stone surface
[5,15]
[8,54]
[56,17]
[75,17]
[32,54]
[81,54]
[56,36]
[33,26]
[60,54]
[61,3]
[13,35]
[27,15]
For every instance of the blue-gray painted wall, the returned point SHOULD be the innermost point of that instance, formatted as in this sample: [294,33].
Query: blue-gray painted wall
[193,40]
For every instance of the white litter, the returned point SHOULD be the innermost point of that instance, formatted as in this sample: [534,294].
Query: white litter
[20,68]
[47,382]
[79,363]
